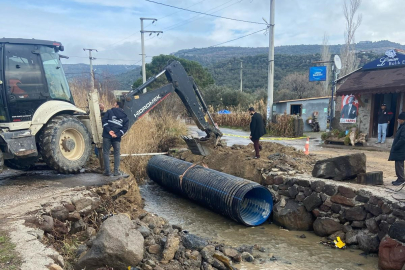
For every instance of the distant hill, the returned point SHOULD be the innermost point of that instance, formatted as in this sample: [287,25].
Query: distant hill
[209,56]
[125,75]
[227,72]
[127,79]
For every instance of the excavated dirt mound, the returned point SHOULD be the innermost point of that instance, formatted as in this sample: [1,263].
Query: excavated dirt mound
[238,160]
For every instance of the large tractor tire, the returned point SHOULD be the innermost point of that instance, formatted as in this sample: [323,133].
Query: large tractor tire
[23,164]
[65,144]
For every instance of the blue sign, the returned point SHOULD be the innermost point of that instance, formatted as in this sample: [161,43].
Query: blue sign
[317,74]
[391,59]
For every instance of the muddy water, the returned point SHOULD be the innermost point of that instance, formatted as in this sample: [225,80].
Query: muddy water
[290,251]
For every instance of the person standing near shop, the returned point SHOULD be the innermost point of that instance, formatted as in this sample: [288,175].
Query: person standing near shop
[257,130]
[398,151]
[384,118]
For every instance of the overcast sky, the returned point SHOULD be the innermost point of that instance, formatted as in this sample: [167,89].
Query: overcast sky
[113,26]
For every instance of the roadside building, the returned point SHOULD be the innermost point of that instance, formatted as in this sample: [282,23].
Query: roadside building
[361,93]
[305,108]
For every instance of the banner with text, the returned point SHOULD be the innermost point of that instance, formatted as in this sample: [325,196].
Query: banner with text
[317,74]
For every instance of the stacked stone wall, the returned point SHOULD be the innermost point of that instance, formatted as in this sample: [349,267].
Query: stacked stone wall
[361,216]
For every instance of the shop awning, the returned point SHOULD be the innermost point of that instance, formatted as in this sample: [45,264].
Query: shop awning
[380,81]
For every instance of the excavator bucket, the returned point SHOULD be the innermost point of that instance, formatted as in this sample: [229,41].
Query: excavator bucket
[198,146]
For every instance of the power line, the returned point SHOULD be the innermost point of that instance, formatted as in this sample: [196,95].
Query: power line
[182,23]
[212,15]
[111,45]
[194,18]
[227,41]
[176,12]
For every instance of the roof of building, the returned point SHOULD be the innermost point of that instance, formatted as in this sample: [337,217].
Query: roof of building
[302,99]
[389,80]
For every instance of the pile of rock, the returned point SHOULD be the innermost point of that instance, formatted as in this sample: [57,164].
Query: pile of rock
[147,242]
[150,243]
[280,164]
[66,217]
[362,219]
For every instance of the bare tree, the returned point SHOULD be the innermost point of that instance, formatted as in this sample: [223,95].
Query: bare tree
[296,86]
[348,53]
[325,53]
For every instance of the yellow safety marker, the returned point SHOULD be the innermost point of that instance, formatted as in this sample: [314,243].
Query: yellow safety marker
[266,138]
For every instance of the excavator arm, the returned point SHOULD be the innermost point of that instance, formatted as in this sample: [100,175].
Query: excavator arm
[137,104]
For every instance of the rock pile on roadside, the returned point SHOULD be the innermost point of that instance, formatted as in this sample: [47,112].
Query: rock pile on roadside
[151,243]
[118,241]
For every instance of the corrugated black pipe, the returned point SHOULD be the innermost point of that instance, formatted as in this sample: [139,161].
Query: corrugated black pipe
[240,199]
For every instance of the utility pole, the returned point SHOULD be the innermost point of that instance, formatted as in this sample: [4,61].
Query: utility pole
[241,68]
[270,85]
[143,46]
[91,67]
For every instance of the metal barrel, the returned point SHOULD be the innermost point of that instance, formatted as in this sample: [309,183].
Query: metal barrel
[242,200]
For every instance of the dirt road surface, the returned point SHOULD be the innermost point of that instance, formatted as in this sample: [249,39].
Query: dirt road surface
[22,193]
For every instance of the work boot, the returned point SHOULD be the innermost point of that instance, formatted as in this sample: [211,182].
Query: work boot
[398,182]
[107,174]
[122,174]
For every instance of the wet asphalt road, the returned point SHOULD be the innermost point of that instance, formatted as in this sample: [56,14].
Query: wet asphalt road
[232,136]
[19,187]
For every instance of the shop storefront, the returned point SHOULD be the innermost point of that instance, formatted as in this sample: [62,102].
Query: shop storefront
[361,93]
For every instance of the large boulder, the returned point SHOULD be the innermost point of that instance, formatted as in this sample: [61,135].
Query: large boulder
[367,241]
[340,168]
[193,242]
[355,213]
[391,254]
[118,244]
[293,216]
[397,231]
[312,201]
[324,226]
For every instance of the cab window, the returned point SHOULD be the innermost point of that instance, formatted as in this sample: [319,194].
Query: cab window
[55,77]
[23,73]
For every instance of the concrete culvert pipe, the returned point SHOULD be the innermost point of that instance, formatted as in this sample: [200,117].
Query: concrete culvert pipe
[242,200]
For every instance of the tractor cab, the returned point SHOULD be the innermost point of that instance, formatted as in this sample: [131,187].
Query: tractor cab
[30,74]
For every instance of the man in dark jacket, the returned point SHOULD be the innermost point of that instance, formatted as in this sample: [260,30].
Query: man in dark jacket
[398,151]
[257,130]
[384,118]
[115,125]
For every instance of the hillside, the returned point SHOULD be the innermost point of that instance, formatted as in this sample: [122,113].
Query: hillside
[125,75]
[227,72]
[208,56]
[127,79]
